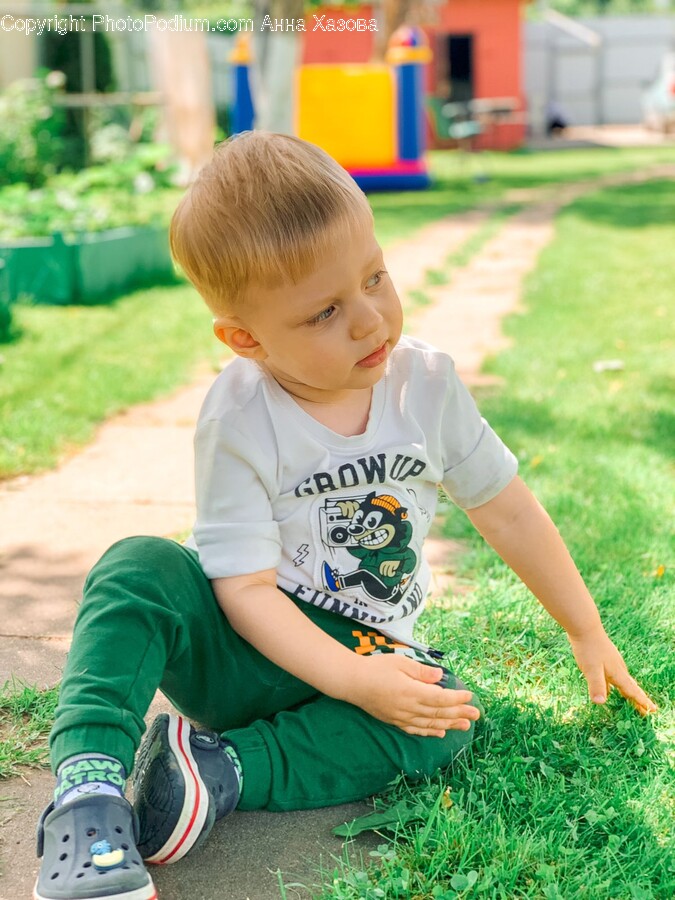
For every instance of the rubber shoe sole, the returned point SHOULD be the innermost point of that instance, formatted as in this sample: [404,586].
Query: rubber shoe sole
[148,893]
[171,799]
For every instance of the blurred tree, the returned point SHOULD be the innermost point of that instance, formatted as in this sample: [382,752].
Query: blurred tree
[63,53]
[32,144]
[68,53]
[276,53]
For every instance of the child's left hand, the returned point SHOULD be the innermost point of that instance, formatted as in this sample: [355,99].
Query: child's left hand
[602,666]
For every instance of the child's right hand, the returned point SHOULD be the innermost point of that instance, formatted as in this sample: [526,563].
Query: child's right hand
[405,693]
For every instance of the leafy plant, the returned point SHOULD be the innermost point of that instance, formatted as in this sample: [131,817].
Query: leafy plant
[32,147]
[133,191]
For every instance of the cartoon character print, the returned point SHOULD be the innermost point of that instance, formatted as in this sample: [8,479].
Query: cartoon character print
[375,530]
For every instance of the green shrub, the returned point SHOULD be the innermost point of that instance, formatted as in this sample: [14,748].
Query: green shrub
[134,191]
[32,147]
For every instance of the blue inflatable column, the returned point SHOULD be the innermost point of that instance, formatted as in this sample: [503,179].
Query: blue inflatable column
[408,53]
[242,112]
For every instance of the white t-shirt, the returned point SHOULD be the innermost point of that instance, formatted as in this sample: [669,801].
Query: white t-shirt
[341,519]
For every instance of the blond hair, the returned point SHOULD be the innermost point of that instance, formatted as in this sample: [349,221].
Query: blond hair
[264,211]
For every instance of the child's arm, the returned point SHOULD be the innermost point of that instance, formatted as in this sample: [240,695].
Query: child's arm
[390,687]
[520,530]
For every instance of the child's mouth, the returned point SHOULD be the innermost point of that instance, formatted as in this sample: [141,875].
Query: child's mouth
[375,358]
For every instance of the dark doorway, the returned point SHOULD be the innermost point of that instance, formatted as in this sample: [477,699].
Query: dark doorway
[460,67]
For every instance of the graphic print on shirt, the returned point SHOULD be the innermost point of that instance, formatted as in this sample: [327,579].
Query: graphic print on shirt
[375,530]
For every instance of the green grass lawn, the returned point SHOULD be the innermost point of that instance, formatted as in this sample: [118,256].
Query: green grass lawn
[75,366]
[26,717]
[72,367]
[558,799]
[455,188]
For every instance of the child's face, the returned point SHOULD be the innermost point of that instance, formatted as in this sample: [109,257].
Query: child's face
[333,331]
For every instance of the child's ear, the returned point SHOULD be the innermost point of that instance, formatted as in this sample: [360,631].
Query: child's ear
[235,334]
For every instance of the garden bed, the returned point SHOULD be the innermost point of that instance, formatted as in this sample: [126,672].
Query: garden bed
[85,268]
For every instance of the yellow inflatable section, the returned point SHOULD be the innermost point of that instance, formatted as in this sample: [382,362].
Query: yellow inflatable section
[349,111]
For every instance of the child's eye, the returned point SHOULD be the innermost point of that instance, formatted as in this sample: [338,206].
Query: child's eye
[322,316]
[375,279]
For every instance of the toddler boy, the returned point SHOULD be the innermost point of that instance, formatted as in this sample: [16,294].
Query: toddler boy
[285,624]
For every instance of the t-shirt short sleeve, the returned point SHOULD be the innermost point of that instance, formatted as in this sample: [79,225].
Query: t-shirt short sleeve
[477,465]
[235,532]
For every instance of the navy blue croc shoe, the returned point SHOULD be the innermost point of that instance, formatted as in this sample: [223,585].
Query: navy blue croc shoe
[184,781]
[88,851]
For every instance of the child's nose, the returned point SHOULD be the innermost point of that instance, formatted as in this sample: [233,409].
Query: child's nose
[366,320]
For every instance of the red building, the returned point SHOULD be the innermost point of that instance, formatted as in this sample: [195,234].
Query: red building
[477,60]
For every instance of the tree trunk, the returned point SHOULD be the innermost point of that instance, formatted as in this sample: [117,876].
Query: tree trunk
[275,57]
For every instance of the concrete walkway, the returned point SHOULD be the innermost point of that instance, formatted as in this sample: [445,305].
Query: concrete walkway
[136,478]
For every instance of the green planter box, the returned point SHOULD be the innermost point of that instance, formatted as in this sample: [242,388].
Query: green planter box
[91,268]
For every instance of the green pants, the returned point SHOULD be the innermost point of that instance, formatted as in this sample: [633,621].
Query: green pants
[149,619]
